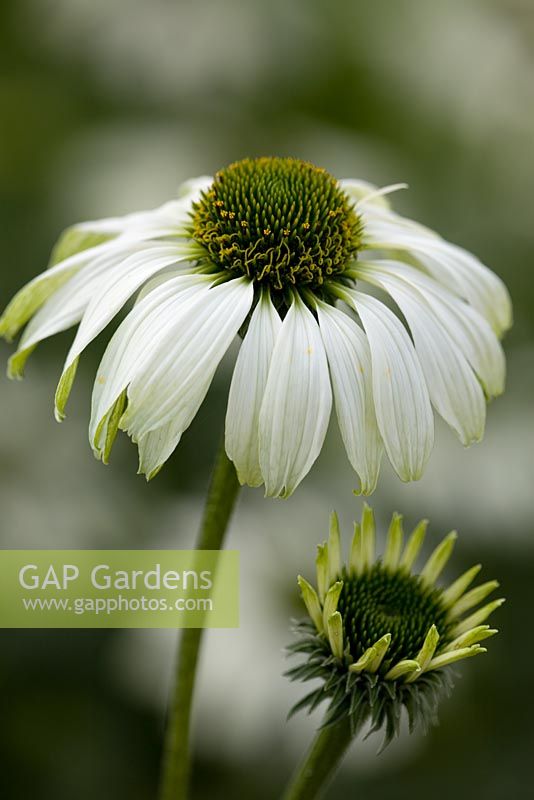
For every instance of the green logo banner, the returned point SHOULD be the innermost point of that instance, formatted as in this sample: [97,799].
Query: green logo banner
[119,589]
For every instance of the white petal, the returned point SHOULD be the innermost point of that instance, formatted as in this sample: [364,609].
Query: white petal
[247,390]
[471,333]
[118,285]
[171,219]
[367,195]
[34,294]
[133,344]
[157,446]
[360,190]
[166,275]
[193,188]
[111,293]
[402,404]
[166,220]
[452,266]
[174,384]
[476,339]
[461,271]
[67,305]
[297,403]
[383,224]
[454,390]
[349,360]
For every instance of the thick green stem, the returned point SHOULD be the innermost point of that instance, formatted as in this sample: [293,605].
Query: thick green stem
[321,762]
[220,502]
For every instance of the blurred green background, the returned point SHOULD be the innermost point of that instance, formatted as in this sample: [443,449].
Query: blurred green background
[106,106]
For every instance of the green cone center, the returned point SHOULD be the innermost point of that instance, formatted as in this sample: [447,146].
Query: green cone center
[280,221]
[379,602]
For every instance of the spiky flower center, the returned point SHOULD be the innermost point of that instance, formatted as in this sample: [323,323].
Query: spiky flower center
[380,601]
[280,221]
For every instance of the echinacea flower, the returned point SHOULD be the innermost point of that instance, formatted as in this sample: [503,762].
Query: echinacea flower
[268,249]
[380,636]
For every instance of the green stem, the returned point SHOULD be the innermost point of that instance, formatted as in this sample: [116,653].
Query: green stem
[320,763]
[220,502]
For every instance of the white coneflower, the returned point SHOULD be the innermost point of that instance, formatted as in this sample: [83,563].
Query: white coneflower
[267,249]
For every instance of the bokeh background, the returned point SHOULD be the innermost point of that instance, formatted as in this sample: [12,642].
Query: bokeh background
[106,107]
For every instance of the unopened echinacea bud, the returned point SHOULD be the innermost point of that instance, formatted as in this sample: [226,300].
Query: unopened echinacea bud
[381,635]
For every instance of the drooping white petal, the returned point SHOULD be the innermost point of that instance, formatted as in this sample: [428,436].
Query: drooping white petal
[174,384]
[138,221]
[112,292]
[470,332]
[247,390]
[463,272]
[453,267]
[402,403]
[297,403]
[169,274]
[382,223]
[133,344]
[67,305]
[36,292]
[126,232]
[157,446]
[349,360]
[454,389]
[476,339]
[166,220]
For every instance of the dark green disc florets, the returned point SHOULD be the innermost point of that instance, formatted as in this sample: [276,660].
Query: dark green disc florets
[379,601]
[280,221]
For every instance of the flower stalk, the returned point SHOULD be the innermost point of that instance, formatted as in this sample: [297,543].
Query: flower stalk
[320,763]
[220,503]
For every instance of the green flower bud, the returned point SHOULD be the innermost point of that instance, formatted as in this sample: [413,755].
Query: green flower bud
[381,635]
